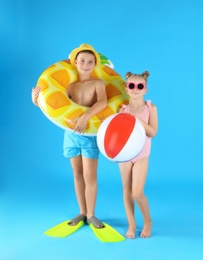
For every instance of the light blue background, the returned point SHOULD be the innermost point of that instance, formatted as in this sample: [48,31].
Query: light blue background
[36,185]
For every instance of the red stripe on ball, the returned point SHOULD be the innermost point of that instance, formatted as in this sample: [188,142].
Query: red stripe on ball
[118,133]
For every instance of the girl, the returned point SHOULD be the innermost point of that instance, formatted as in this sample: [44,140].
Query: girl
[134,172]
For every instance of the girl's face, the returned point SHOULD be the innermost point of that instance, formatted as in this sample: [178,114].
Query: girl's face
[136,86]
[85,63]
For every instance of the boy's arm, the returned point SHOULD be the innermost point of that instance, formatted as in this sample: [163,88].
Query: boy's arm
[35,94]
[95,109]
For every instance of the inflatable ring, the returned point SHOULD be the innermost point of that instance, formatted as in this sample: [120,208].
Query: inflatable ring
[59,109]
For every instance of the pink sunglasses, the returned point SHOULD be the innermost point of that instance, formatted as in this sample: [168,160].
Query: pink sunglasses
[139,86]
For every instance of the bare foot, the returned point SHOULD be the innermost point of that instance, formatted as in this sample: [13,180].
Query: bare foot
[130,233]
[146,232]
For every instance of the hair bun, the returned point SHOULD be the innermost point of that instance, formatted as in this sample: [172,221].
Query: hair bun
[128,74]
[145,74]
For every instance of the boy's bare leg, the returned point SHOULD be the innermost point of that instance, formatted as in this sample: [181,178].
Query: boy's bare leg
[90,179]
[77,166]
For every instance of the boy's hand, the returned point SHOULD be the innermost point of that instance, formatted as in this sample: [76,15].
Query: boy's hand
[81,123]
[35,94]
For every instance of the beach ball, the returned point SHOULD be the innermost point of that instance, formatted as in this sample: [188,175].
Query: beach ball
[121,137]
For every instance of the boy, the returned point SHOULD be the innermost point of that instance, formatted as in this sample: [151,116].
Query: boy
[82,150]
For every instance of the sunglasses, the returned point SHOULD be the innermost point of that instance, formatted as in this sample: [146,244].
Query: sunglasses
[132,85]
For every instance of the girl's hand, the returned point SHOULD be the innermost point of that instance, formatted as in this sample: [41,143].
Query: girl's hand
[35,94]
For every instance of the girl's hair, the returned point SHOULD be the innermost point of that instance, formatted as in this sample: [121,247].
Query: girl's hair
[145,75]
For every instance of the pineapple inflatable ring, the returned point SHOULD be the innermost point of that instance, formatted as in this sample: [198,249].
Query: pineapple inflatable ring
[59,109]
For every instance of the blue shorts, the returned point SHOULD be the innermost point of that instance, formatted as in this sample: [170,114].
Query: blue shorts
[77,144]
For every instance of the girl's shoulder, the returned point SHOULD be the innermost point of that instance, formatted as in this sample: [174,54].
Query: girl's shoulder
[149,104]
[151,107]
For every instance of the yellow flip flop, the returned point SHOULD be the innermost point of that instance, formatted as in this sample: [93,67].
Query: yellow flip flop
[64,229]
[103,231]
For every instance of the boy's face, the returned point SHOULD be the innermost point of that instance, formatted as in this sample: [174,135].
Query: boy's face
[85,62]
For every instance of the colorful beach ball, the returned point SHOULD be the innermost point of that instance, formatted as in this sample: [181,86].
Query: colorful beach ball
[121,137]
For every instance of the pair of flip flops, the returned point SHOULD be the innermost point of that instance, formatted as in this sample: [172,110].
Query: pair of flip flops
[102,230]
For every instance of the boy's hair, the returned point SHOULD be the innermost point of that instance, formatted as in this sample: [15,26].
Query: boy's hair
[84,47]
[86,51]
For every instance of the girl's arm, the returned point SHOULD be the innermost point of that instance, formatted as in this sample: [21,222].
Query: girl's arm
[152,127]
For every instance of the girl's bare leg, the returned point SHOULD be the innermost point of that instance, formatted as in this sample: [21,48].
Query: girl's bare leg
[140,169]
[126,175]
